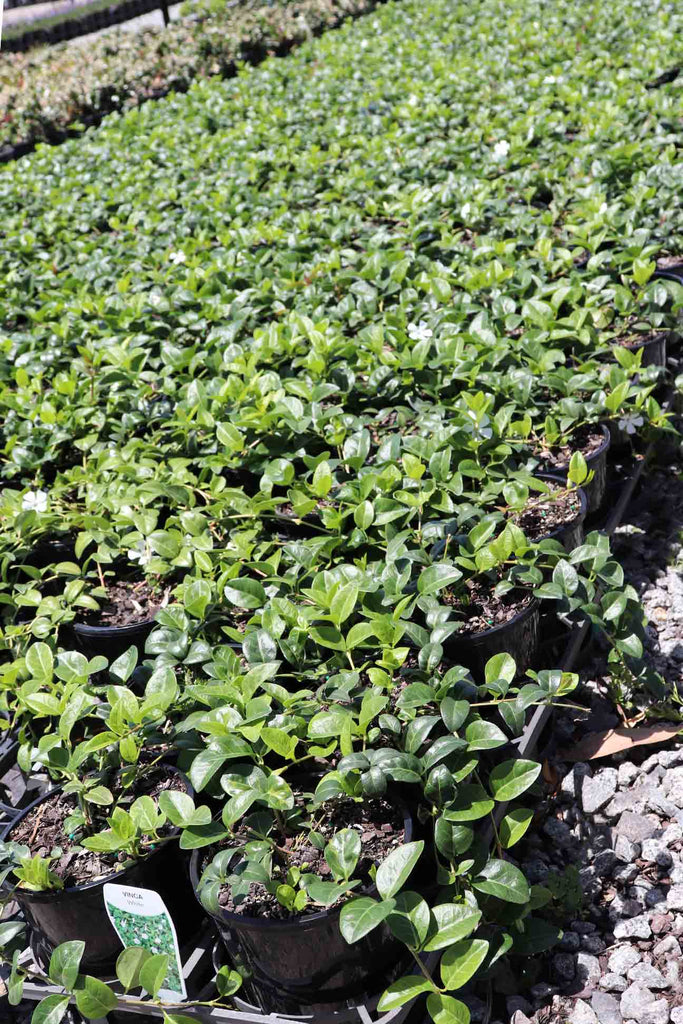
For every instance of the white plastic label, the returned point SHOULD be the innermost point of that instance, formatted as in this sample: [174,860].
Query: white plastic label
[140,918]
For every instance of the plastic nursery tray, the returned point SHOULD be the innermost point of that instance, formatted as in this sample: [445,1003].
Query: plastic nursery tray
[198,974]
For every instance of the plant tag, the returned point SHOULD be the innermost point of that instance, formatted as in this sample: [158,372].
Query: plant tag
[140,918]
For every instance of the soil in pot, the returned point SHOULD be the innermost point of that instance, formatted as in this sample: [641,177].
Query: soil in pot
[492,624]
[126,618]
[557,516]
[294,963]
[593,441]
[78,911]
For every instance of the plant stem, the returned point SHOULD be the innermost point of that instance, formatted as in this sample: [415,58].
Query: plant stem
[425,972]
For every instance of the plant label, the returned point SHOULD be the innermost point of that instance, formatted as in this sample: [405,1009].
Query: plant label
[140,918]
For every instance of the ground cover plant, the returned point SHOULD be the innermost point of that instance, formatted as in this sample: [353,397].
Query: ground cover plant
[51,91]
[284,360]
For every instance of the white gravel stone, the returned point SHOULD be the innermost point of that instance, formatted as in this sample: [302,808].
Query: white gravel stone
[613,983]
[625,850]
[588,969]
[583,1014]
[597,792]
[623,959]
[669,944]
[572,782]
[647,976]
[674,899]
[633,928]
[627,773]
[638,1003]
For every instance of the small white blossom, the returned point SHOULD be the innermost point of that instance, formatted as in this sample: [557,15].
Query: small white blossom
[140,553]
[177,257]
[420,332]
[501,149]
[35,501]
[549,80]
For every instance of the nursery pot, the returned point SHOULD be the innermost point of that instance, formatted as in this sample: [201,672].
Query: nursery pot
[519,637]
[570,535]
[654,350]
[297,965]
[78,912]
[112,641]
[594,490]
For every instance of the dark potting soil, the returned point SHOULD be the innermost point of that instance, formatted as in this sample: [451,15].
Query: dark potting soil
[545,513]
[587,440]
[379,825]
[636,339]
[128,603]
[484,609]
[42,831]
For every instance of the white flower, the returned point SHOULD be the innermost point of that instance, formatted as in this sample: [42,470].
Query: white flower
[420,332]
[549,80]
[177,257]
[501,149]
[140,553]
[35,500]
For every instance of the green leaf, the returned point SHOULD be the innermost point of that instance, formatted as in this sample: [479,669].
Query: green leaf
[39,662]
[514,825]
[436,577]
[394,870]
[196,598]
[362,915]
[128,966]
[504,881]
[483,735]
[452,839]
[363,515]
[50,1010]
[153,971]
[402,991]
[245,593]
[447,1010]
[578,469]
[342,853]
[343,603]
[328,636]
[512,778]
[410,921]
[95,999]
[461,961]
[471,803]
[453,921]
[613,605]
[566,577]
[500,666]
[122,669]
[65,962]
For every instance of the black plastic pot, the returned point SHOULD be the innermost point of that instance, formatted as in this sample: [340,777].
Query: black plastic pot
[654,351]
[595,489]
[111,641]
[519,637]
[305,964]
[571,534]
[79,912]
